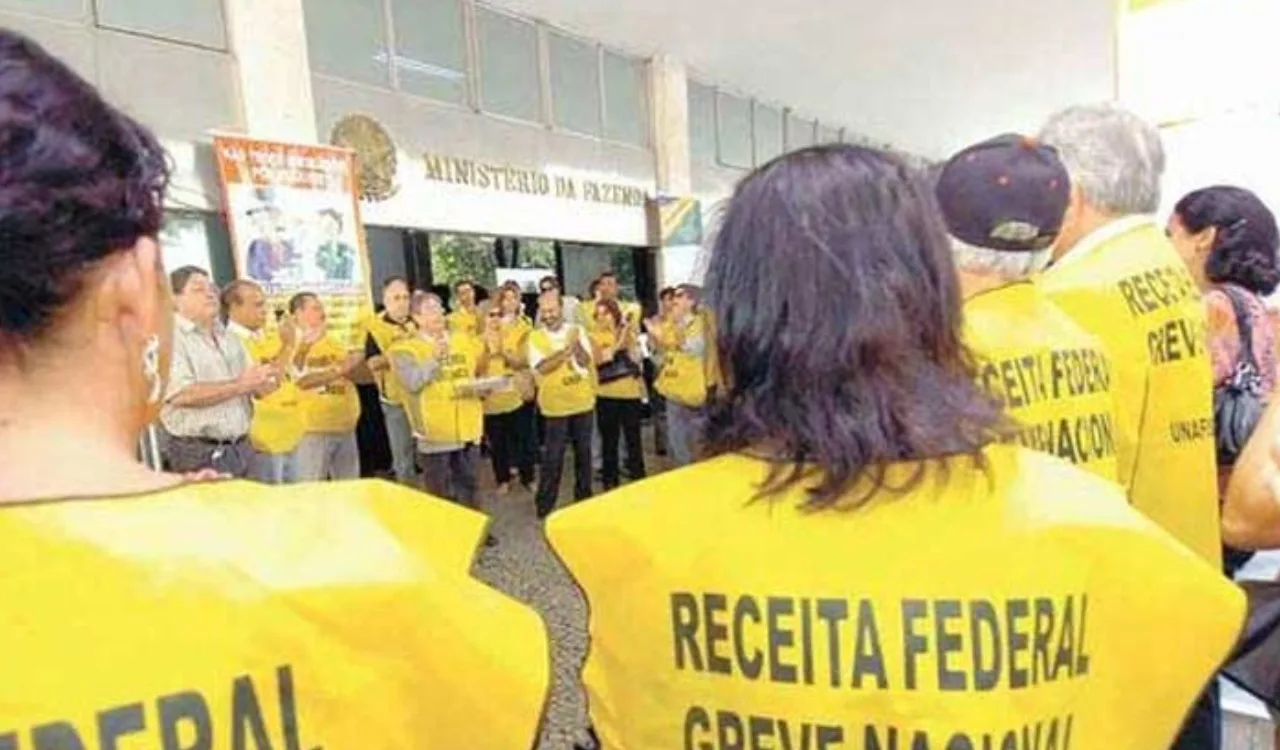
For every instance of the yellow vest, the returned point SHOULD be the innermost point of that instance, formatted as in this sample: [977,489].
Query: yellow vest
[335,408]
[1027,598]
[1134,293]
[1051,376]
[318,615]
[684,376]
[464,321]
[438,413]
[631,389]
[278,419]
[565,391]
[386,334]
[508,399]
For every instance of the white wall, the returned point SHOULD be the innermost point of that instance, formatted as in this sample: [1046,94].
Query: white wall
[180,92]
[420,126]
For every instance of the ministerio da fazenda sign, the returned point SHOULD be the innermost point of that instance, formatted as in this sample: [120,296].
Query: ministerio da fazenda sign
[508,179]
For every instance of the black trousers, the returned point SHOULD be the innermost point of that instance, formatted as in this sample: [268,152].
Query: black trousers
[511,444]
[619,418]
[561,431]
[452,475]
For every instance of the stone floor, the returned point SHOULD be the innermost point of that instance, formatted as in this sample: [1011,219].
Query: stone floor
[523,566]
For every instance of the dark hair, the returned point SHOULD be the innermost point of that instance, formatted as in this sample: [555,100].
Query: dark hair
[463,282]
[613,308]
[397,279]
[79,181]
[1245,249]
[836,308]
[667,291]
[179,279]
[593,286]
[300,300]
[232,294]
[606,275]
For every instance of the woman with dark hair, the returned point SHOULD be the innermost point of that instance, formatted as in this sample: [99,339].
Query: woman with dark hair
[1229,241]
[859,524]
[619,390]
[508,411]
[125,586]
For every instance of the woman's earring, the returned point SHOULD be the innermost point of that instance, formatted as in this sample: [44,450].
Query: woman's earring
[151,369]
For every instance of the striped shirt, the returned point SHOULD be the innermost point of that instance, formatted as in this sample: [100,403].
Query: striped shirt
[200,357]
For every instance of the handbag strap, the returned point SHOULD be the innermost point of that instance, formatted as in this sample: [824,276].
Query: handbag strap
[1244,324]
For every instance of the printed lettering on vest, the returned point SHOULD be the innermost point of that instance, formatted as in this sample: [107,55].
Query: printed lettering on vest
[933,645]
[181,721]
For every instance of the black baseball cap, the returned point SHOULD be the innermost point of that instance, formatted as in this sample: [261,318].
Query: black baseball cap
[1008,193]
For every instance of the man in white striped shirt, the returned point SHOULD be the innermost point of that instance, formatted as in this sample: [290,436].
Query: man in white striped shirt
[208,402]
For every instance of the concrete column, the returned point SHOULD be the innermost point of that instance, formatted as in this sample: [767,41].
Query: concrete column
[669,92]
[269,43]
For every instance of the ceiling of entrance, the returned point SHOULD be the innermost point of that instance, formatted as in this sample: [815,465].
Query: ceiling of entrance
[926,75]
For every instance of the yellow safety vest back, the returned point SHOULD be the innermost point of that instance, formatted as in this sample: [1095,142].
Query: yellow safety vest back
[387,334]
[439,413]
[278,419]
[1051,376]
[983,608]
[1133,292]
[564,391]
[234,615]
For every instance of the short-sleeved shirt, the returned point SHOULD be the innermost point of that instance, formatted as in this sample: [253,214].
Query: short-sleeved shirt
[201,357]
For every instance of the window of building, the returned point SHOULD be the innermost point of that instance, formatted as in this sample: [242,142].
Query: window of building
[347,40]
[70,10]
[197,22]
[509,69]
[733,130]
[459,257]
[768,129]
[534,254]
[575,84]
[626,99]
[430,48]
[799,132]
[828,134]
[702,122]
[386,248]
[196,238]
[583,263]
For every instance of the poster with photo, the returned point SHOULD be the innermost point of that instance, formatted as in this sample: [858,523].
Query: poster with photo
[295,226]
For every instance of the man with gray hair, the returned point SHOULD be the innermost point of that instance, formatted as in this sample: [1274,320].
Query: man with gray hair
[1119,277]
[1003,201]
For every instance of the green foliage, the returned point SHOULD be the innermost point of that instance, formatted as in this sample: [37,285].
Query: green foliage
[455,257]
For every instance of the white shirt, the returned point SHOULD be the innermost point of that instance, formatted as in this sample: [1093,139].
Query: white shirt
[206,357]
[1102,235]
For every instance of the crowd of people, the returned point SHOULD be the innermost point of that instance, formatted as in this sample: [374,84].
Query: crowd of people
[963,452]
[278,403]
